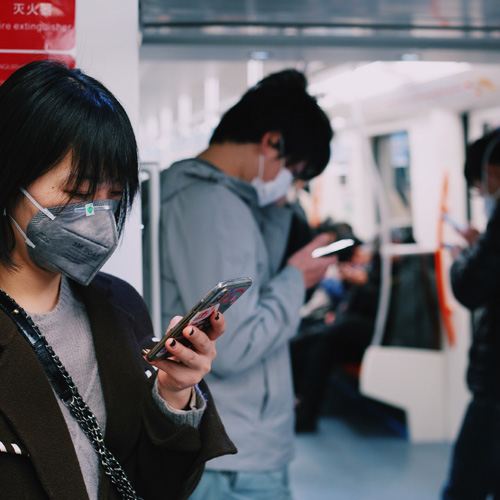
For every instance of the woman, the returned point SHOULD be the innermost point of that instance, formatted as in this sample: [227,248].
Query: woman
[68,175]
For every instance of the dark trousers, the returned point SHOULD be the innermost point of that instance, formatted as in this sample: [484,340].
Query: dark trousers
[475,466]
[314,357]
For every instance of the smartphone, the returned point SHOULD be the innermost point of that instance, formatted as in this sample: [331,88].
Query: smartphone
[333,248]
[462,228]
[219,298]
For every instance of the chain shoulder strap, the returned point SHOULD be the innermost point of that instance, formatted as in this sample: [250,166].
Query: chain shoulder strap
[66,389]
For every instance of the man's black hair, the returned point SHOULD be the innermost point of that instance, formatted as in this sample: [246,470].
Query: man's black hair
[49,111]
[485,150]
[280,103]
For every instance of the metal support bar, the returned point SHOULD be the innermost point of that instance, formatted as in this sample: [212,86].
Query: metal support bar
[153,170]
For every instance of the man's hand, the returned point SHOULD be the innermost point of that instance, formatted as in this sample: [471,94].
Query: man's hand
[471,235]
[312,269]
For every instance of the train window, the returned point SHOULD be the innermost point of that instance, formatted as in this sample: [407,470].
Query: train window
[392,155]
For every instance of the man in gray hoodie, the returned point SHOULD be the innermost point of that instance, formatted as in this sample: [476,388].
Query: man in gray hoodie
[220,220]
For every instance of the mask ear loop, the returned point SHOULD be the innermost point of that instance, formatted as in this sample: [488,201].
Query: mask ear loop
[37,205]
[44,210]
[26,239]
[261,167]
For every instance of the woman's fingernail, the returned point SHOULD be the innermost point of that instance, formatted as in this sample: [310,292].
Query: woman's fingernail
[172,344]
[217,317]
[145,351]
[192,331]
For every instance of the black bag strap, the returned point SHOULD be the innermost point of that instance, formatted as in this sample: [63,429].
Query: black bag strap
[67,391]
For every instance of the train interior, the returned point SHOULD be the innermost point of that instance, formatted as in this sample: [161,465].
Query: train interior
[406,85]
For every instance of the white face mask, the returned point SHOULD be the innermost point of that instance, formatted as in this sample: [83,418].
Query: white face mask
[271,191]
[490,202]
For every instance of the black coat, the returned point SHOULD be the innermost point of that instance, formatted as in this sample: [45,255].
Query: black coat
[475,278]
[37,458]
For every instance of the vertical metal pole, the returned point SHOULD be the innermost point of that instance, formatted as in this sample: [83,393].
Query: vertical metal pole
[154,251]
[383,206]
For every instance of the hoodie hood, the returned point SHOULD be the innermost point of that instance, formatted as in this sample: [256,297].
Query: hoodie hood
[183,174]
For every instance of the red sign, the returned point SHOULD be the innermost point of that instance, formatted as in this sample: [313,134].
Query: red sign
[46,25]
[9,62]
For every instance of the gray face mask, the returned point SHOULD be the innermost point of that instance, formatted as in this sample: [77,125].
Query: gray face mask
[75,240]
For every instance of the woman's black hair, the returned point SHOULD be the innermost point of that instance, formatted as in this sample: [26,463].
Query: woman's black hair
[280,103]
[49,111]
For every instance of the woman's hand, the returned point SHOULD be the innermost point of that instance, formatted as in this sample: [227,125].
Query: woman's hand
[188,365]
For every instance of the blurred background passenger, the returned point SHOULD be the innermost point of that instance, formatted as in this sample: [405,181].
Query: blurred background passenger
[335,332]
[475,278]
[228,193]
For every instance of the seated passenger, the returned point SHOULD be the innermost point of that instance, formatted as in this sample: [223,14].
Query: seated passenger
[337,334]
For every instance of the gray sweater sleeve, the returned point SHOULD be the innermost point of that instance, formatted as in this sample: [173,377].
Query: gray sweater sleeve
[191,417]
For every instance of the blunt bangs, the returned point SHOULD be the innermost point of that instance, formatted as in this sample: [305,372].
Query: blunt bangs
[102,146]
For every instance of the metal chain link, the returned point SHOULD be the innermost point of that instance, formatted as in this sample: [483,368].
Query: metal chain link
[86,419]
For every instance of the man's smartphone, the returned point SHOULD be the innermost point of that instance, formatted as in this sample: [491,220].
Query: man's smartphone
[461,228]
[333,248]
[219,298]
